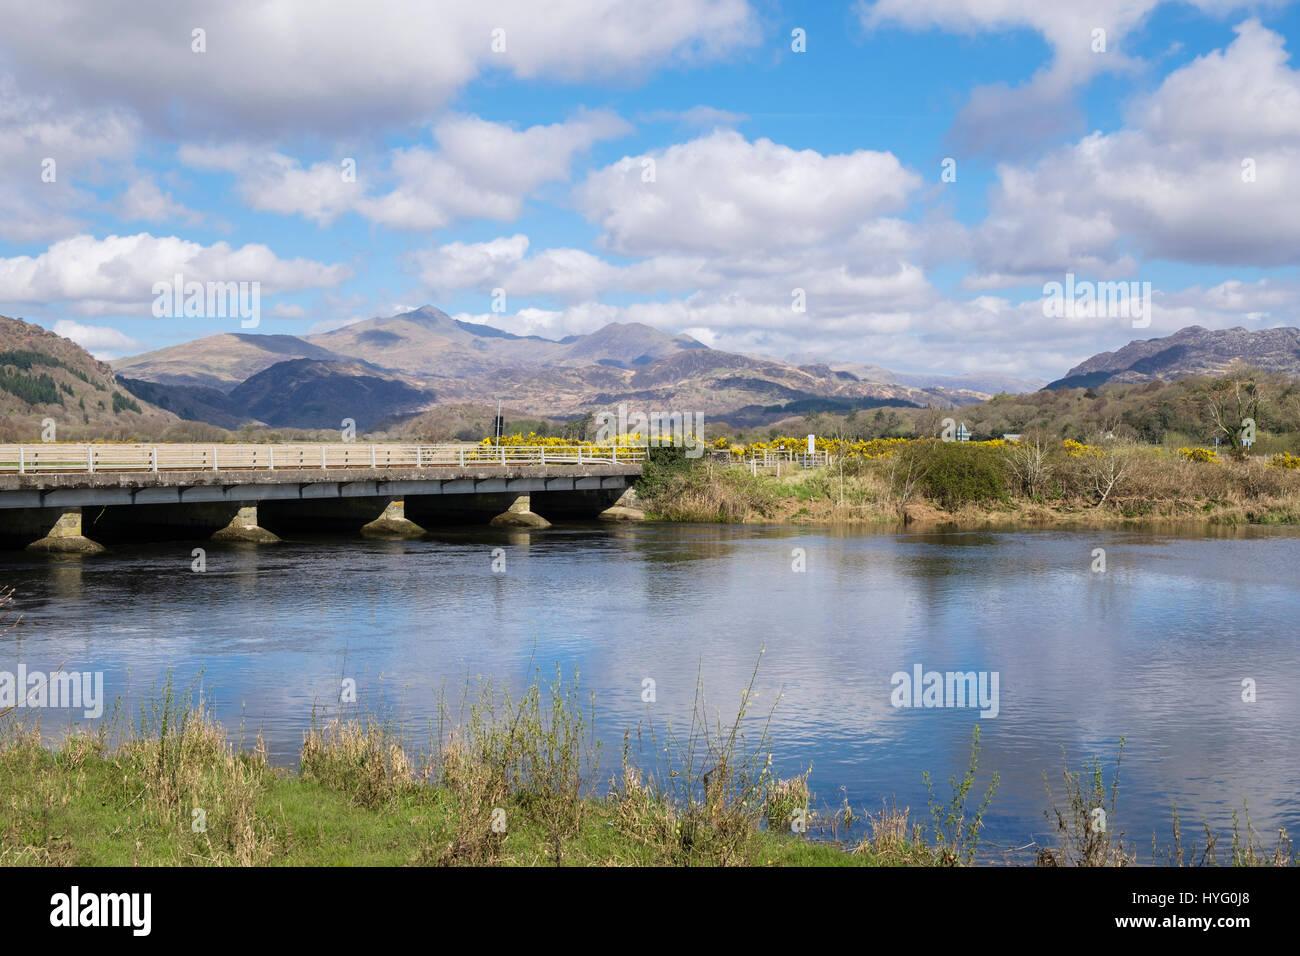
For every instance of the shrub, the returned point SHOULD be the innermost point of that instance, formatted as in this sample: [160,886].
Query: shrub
[662,466]
[957,474]
[1200,454]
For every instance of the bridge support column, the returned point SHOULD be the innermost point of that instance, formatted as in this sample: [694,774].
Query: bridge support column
[627,508]
[520,515]
[244,527]
[393,523]
[66,537]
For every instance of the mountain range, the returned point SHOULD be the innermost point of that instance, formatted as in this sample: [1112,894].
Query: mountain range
[409,367]
[1189,351]
[384,368]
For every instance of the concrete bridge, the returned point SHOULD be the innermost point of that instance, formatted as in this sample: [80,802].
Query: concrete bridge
[61,497]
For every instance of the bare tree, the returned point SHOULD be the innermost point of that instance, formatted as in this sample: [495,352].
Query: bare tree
[1107,468]
[1029,460]
[928,421]
[1227,403]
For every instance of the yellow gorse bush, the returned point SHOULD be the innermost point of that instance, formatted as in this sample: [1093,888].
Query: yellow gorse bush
[1200,454]
[1080,450]
[1285,460]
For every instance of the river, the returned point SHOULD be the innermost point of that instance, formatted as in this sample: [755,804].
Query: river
[1155,648]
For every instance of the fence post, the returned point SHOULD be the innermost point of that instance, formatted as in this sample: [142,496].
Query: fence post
[270,457]
[543,454]
[90,459]
[214,459]
[503,454]
[322,457]
[462,456]
[419,458]
[21,462]
[372,456]
[153,458]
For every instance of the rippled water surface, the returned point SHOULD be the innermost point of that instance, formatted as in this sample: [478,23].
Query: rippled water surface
[1155,649]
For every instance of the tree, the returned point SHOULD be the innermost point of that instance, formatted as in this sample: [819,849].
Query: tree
[1227,403]
[1029,461]
[1107,466]
[929,420]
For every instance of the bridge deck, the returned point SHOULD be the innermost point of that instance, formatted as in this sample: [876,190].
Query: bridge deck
[81,475]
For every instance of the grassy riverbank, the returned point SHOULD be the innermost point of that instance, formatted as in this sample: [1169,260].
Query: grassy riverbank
[514,783]
[928,482]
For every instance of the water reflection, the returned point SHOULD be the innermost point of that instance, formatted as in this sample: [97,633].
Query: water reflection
[1155,648]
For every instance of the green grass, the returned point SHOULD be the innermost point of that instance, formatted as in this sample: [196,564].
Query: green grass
[70,811]
[506,782]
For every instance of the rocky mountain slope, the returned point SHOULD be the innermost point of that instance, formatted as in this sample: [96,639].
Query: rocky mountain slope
[1189,351]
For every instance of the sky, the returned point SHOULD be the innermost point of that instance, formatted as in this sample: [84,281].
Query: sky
[898,182]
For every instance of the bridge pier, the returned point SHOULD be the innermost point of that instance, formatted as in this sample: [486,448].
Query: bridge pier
[626,508]
[65,537]
[393,523]
[520,515]
[244,527]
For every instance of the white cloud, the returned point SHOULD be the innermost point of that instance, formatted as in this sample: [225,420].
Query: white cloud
[144,201]
[1170,187]
[481,169]
[721,193]
[1004,120]
[320,66]
[116,274]
[101,341]
[37,141]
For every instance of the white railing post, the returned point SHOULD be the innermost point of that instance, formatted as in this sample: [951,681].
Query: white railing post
[503,454]
[543,454]
[419,458]
[214,458]
[613,454]
[153,458]
[372,456]
[90,459]
[322,457]
[462,456]
[270,457]
[21,463]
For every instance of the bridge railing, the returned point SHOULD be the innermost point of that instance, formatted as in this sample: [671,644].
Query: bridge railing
[52,457]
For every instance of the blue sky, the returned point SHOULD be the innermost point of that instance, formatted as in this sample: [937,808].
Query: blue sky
[523,169]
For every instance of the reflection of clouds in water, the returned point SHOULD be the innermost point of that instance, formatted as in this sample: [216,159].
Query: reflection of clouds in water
[1154,648]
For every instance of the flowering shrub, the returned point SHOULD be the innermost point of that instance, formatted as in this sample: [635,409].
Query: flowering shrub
[1285,460]
[1200,454]
[1080,450]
